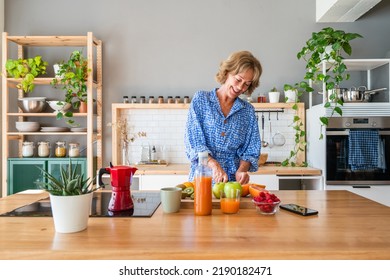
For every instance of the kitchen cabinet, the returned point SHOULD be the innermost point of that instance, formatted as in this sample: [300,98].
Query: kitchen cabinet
[92,119]
[278,182]
[31,174]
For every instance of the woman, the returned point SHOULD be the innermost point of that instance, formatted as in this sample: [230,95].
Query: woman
[224,125]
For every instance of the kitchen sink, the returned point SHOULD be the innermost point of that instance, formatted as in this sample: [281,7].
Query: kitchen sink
[145,204]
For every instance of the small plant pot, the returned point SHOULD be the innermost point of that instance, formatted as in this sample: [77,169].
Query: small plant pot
[71,213]
[273,96]
[83,107]
[291,96]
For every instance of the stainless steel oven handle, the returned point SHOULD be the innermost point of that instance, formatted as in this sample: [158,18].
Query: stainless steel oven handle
[346,132]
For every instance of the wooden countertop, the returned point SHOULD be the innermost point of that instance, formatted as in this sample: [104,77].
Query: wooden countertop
[348,227]
[183,169]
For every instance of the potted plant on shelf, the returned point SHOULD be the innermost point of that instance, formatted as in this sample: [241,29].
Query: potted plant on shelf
[70,198]
[273,95]
[26,69]
[72,75]
[327,46]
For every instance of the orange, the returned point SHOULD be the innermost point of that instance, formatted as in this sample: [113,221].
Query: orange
[256,189]
[245,190]
[188,184]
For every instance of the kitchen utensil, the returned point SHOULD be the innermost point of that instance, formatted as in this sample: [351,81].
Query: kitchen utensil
[338,92]
[263,143]
[360,94]
[278,139]
[121,177]
[32,104]
[270,142]
[27,126]
[59,106]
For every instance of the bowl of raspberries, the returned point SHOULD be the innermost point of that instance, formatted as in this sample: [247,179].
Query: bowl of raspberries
[266,203]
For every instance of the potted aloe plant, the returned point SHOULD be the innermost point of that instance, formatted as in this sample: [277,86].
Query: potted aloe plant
[70,198]
[72,76]
[26,69]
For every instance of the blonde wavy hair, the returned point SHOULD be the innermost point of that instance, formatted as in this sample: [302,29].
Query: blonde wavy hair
[239,62]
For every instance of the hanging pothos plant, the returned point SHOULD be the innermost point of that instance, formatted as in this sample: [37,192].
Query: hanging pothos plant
[326,46]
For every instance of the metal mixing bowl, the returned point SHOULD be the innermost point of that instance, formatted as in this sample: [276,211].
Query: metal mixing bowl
[32,104]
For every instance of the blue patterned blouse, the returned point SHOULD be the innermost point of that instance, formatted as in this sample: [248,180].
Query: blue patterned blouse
[227,139]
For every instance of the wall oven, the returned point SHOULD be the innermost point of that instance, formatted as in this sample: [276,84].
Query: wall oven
[358,151]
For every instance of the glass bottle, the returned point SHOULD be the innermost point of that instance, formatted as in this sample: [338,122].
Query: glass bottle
[170,99]
[177,99]
[43,149]
[28,149]
[74,150]
[60,149]
[203,186]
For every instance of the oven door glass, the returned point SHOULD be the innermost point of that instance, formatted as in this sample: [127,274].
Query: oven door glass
[338,171]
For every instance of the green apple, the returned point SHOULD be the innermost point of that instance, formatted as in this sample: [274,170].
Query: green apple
[230,188]
[217,188]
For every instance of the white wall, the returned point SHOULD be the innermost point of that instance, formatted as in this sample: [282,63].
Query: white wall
[174,47]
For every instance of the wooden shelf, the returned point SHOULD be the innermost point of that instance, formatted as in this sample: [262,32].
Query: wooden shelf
[93,119]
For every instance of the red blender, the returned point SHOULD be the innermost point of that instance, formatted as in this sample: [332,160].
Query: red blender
[120,181]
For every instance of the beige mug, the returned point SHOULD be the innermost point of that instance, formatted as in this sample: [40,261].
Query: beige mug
[170,199]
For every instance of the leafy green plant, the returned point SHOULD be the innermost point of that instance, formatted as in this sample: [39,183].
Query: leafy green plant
[26,69]
[299,128]
[73,80]
[274,89]
[327,46]
[70,182]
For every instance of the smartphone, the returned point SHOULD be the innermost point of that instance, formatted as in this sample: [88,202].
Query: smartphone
[297,209]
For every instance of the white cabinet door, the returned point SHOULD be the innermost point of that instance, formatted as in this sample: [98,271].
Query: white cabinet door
[271,181]
[380,194]
[156,182]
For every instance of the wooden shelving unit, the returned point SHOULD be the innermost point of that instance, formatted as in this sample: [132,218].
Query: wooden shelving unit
[93,118]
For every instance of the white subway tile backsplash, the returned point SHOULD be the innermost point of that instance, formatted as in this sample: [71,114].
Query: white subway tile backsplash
[165,128]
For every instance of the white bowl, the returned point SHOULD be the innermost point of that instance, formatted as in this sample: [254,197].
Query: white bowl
[27,126]
[59,106]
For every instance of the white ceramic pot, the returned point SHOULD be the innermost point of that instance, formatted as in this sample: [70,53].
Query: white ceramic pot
[291,96]
[71,213]
[273,96]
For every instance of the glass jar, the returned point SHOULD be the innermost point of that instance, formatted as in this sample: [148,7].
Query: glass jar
[186,100]
[151,99]
[74,150]
[28,149]
[142,99]
[134,99]
[43,149]
[60,149]
[177,99]
[170,100]
[160,99]
[125,99]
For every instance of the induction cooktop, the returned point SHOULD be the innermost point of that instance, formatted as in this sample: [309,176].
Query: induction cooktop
[145,204]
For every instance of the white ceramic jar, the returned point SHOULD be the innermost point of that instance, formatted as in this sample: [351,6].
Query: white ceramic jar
[43,149]
[28,149]
[74,150]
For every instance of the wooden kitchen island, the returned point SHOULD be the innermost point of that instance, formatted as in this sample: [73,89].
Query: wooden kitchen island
[348,227]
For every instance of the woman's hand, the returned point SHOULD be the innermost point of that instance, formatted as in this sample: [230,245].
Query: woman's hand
[242,177]
[219,175]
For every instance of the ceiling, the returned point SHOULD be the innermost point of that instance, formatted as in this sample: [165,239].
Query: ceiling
[342,10]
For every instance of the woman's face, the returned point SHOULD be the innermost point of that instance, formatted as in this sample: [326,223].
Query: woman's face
[238,83]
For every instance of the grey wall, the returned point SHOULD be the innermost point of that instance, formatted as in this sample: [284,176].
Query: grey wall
[174,47]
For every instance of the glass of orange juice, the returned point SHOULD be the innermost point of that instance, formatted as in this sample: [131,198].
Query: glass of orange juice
[230,201]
